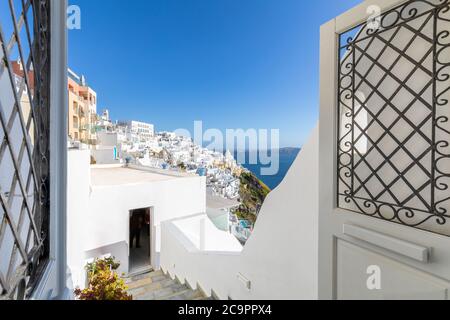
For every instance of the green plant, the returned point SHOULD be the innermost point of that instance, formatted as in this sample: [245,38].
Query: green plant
[252,194]
[100,264]
[104,282]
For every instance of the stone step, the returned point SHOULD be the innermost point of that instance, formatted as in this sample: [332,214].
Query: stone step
[172,293]
[185,296]
[162,294]
[133,278]
[139,283]
[156,285]
[193,295]
[152,287]
[138,272]
[204,299]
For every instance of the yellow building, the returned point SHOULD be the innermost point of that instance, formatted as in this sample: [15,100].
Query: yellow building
[19,79]
[82,110]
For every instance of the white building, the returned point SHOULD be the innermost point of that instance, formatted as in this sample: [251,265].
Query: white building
[101,199]
[105,115]
[108,149]
[104,122]
[143,130]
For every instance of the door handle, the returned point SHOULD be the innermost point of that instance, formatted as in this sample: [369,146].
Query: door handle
[405,248]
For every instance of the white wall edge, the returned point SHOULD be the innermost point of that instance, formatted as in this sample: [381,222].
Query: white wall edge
[52,282]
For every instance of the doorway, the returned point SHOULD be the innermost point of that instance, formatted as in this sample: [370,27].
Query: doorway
[140,238]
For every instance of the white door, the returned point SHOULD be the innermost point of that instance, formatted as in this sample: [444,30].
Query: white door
[384,152]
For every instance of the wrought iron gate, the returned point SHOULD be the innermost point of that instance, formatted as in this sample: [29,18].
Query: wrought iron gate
[393,148]
[24,149]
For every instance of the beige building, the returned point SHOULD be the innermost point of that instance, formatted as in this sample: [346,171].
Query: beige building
[82,110]
[22,90]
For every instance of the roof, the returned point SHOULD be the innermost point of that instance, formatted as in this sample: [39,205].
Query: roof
[115,176]
[215,202]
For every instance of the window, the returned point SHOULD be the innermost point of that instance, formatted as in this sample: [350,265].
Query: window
[394,126]
[24,155]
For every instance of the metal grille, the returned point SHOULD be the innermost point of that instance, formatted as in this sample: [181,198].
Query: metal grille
[393,159]
[24,149]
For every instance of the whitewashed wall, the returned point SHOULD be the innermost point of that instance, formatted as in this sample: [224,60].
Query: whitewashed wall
[281,258]
[103,152]
[78,189]
[98,217]
[202,234]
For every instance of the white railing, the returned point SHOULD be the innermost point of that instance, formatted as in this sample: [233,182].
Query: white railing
[185,254]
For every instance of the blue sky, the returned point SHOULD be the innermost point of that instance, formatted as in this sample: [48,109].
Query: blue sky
[230,63]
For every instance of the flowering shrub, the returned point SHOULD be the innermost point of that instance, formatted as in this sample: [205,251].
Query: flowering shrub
[104,282]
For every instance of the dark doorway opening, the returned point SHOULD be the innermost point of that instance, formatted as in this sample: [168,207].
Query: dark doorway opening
[140,250]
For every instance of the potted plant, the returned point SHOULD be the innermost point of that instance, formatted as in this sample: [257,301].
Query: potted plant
[104,282]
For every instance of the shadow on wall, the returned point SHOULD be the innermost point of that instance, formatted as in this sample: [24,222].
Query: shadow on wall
[117,250]
[285,237]
[279,261]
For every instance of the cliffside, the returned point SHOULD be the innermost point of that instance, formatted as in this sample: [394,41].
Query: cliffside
[252,194]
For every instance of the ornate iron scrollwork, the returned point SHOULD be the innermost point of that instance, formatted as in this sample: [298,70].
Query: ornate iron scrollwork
[393,160]
[24,148]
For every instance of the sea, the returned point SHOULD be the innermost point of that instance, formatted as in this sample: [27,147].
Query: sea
[287,158]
